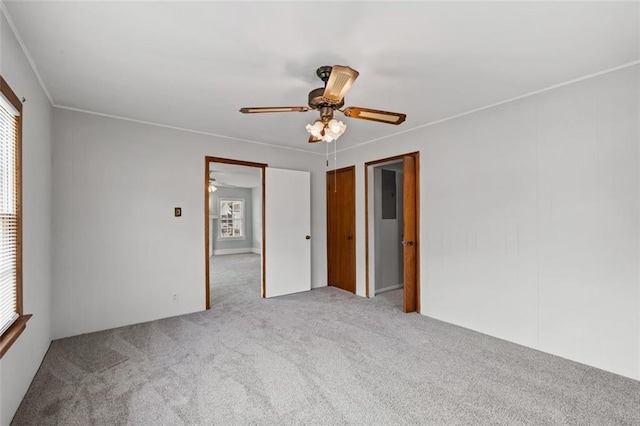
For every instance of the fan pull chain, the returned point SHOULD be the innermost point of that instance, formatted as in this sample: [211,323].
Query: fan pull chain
[327,154]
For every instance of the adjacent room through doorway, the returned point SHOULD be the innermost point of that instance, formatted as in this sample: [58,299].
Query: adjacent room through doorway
[235,229]
[391,230]
[387,227]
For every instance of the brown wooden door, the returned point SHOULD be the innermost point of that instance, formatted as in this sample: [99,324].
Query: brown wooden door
[341,229]
[409,234]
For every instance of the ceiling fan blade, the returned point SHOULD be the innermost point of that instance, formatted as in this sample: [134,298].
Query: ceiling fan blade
[375,115]
[339,82]
[217,183]
[255,110]
[313,139]
[225,185]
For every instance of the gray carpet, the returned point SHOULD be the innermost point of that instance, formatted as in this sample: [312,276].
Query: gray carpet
[320,357]
[235,269]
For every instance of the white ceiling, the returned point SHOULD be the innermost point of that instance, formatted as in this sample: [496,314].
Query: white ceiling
[234,175]
[194,64]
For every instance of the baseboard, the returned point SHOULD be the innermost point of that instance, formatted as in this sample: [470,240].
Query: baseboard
[232,251]
[256,250]
[391,287]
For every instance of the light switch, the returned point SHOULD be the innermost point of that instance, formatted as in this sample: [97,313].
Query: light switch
[177,211]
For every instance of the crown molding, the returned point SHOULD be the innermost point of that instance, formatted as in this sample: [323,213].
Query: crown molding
[181,129]
[506,101]
[26,52]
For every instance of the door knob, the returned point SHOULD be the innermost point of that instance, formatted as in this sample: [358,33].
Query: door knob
[308,237]
[407,243]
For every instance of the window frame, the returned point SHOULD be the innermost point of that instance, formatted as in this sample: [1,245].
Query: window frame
[221,237]
[9,337]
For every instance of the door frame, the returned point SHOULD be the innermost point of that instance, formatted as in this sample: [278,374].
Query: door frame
[367,166]
[207,162]
[329,174]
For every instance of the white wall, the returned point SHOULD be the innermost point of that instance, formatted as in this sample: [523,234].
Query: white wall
[529,219]
[20,363]
[116,183]
[256,205]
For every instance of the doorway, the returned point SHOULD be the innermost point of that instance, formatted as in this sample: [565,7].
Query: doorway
[391,230]
[341,229]
[234,227]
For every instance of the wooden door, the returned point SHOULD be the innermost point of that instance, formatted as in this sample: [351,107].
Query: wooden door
[409,234]
[341,229]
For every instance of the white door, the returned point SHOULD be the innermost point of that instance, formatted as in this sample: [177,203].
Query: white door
[287,232]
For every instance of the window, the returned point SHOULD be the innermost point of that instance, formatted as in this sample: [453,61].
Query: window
[231,218]
[12,322]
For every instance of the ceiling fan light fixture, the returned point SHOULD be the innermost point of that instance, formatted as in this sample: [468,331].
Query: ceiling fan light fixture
[315,129]
[328,132]
[335,129]
[333,125]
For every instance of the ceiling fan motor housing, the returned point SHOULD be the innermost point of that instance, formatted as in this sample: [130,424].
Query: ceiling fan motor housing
[316,100]
[324,72]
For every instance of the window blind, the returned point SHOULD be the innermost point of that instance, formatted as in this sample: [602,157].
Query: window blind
[8,214]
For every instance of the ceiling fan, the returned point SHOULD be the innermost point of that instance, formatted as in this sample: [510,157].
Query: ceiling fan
[330,98]
[214,184]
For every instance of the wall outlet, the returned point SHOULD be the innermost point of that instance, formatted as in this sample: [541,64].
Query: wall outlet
[174,298]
